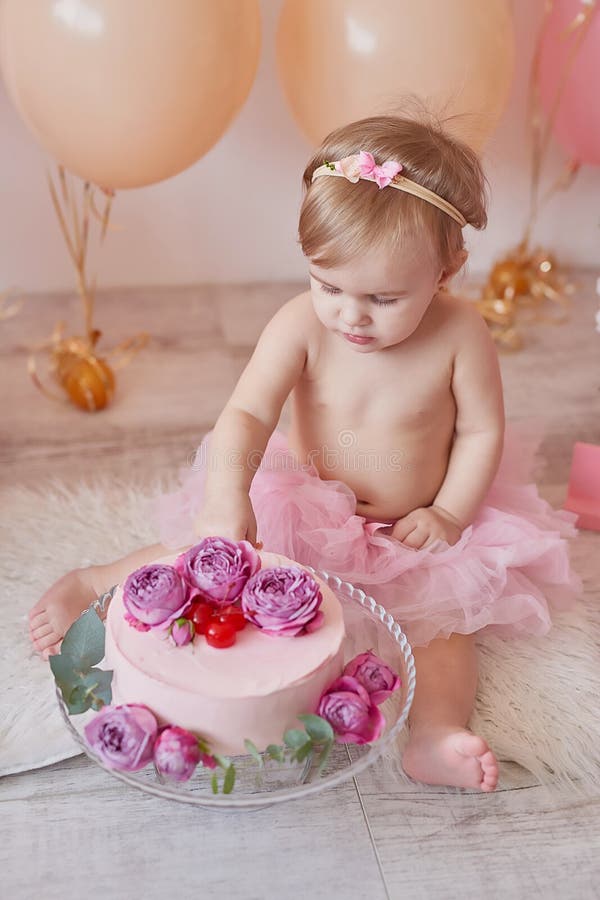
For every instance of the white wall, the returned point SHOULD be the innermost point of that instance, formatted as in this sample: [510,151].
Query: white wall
[195,228]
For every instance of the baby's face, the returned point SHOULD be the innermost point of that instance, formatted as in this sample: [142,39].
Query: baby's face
[377,301]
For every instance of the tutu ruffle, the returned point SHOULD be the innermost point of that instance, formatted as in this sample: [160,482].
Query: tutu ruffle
[509,569]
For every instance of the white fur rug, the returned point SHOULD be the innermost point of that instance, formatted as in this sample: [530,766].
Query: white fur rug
[538,698]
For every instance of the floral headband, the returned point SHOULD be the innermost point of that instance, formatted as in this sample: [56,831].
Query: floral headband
[362,165]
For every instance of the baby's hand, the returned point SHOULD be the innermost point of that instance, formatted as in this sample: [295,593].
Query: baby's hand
[228,515]
[423,526]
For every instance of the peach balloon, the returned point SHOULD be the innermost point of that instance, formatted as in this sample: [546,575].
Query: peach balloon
[343,60]
[126,93]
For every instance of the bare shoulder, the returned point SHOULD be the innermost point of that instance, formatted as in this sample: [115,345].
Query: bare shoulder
[462,323]
[294,320]
[277,363]
[295,328]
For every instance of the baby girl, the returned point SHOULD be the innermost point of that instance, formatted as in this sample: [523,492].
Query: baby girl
[394,474]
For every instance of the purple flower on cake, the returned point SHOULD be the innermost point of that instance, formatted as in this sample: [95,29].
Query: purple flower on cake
[284,601]
[181,632]
[217,569]
[347,706]
[208,761]
[375,676]
[123,736]
[154,595]
[135,623]
[176,753]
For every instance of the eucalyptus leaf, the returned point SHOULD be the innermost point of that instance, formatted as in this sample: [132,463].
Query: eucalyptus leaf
[222,761]
[79,700]
[318,728]
[253,751]
[84,641]
[294,738]
[203,746]
[303,752]
[71,684]
[274,751]
[324,757]
[65,674]
[98,682]
[229,780]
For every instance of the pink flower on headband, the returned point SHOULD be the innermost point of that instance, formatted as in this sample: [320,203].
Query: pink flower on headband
[349,167]
[381,174]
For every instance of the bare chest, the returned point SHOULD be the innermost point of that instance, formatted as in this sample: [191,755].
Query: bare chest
[395,391]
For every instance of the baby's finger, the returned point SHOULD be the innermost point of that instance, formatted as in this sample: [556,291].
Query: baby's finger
[403,528]
[416,538]
[435,543]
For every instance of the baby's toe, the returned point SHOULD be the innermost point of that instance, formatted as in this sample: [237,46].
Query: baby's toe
[51,651]
[44,642]
[40,631]
[489,767]
[37,618]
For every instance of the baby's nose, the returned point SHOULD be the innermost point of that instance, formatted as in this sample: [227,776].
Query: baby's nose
[354,314]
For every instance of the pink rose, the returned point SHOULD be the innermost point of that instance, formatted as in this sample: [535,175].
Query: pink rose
[208,761]
[135,623]
[217,569]
[123,736]
[155,595]
[375,676]
[176,753]
[284,601]
[181,632]
[347,707]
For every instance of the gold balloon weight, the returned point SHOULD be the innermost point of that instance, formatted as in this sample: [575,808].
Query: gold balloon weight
[87,379]
[518,288]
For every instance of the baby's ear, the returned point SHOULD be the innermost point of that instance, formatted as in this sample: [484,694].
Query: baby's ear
[450,271]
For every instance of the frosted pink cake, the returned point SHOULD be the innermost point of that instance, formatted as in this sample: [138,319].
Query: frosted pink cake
[254,689]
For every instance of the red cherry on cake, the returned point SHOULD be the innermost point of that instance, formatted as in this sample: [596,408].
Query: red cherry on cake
[233,615]
[201,614]
[220,634]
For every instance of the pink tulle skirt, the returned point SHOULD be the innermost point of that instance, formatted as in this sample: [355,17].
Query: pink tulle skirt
[507,572]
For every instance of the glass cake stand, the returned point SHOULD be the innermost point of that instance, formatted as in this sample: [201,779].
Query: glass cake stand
[368,627]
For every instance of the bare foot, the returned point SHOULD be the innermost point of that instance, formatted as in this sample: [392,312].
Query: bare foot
[450,755]
[58,608]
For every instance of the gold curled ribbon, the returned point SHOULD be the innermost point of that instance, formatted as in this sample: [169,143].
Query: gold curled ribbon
[128,349]
[7,312]
[59,349]
[74,364]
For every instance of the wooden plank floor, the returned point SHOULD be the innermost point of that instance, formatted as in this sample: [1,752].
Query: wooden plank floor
[70,830]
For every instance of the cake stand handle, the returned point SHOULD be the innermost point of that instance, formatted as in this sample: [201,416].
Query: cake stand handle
[101,603]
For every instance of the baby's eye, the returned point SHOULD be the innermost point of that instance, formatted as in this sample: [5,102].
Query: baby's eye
[380,301]
[329,290]
[384,301]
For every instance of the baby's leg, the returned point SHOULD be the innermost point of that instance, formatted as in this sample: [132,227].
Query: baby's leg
[70,595]
[441,750]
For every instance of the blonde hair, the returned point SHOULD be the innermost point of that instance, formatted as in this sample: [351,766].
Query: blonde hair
[340,221]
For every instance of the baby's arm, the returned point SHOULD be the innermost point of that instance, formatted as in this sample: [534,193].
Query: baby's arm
[249,418]
[478,439]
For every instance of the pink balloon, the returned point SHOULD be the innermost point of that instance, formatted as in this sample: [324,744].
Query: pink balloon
[577,124]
